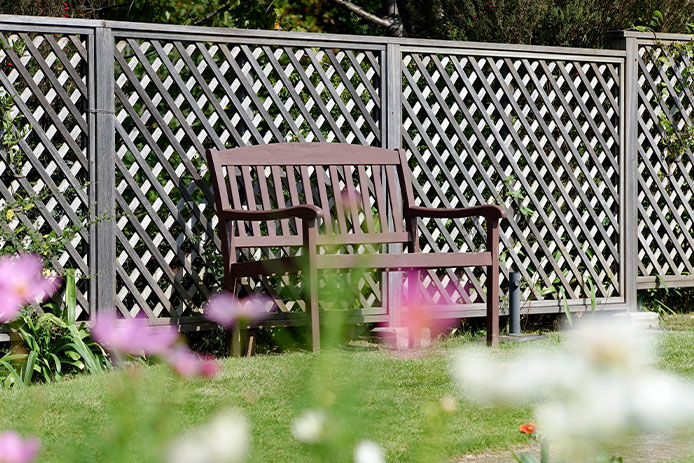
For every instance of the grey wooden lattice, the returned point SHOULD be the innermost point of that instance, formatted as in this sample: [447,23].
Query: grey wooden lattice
[118,116]
[538,136]
[46,74]
[665,186]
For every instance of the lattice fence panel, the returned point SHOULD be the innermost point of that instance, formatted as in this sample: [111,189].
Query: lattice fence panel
[538,136]
[665,183]
[44,91]
[174,99]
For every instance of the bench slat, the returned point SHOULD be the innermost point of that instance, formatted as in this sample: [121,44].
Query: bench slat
[307,154]
[395,201]
[265,198]
[322,240]
[405,261]
[366,201]
[352,198]
[279,196]
[337,198]
[380,192]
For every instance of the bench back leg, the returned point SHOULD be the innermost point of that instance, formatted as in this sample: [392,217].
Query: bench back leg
[492,321]
[311,283]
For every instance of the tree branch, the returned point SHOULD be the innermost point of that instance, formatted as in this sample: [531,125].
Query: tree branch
[212,15]
[365,14]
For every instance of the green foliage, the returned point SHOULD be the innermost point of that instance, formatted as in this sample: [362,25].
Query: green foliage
[51,345]
[576,23]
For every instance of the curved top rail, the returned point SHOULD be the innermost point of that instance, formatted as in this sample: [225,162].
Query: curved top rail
[308,154]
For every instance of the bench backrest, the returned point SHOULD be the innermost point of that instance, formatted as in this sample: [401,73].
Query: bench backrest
[362,191]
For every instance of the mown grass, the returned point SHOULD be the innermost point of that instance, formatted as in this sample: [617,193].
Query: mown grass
[129,415]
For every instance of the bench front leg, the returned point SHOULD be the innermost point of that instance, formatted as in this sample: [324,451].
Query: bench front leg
[492,321]
[310,233]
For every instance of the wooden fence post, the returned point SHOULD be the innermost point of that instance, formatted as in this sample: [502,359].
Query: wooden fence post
[102,246]
[629,169]
[391,89]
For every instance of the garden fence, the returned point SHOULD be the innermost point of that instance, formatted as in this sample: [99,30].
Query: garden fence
[114,119]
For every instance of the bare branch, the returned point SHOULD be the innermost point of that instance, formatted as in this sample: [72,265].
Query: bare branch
[204,20]
[365,14]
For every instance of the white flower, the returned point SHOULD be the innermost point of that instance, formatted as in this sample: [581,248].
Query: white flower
[368,451]
[596,388]
[310,427]
[613,344]
[225,439]
[531,378]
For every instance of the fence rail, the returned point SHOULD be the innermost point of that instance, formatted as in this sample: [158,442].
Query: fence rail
[118,116]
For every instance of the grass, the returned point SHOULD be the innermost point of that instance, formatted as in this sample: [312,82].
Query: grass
[388,399]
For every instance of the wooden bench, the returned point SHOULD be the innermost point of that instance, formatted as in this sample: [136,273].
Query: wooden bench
[312,195]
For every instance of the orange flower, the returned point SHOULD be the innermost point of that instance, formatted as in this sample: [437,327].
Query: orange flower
[527,428]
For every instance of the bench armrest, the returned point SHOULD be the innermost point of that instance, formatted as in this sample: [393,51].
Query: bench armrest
[304,211]
[488,211]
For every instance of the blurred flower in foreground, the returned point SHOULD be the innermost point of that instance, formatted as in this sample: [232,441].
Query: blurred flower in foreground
[597,388]
[310,427]
[14,449]
[225,439]
[421,316]
[368,451]
[132,336]
[22,282]
[224,308]
[188,364]
[527,428]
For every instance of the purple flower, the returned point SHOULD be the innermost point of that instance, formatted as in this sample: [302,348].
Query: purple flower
[225,309]
[22,282]
[132,336]
[14,449]
[188,364]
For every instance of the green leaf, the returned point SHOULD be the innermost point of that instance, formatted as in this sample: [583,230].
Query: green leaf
[525,458]
[28,370]
[70,296]
[567,311]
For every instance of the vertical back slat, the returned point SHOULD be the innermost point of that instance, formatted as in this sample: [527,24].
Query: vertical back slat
[233,186]
[380,193]
[325,204]
[365,199]
[279,195]
[395,202]
[250,196]
[265,198]
[352,195]
[337,197]
[293,191]
[306,181]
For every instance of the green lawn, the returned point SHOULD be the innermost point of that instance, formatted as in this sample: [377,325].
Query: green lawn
[391,400]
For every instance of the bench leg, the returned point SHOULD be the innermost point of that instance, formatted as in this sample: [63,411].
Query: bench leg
[237,331]
[492,321]
[311,283]
[312,307]
[236,341]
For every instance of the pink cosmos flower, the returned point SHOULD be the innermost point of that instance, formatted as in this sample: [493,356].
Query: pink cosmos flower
[22,282]
[132,336]
[225,309]
[188,364]
[419,314]
[14,449]
[351,198]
